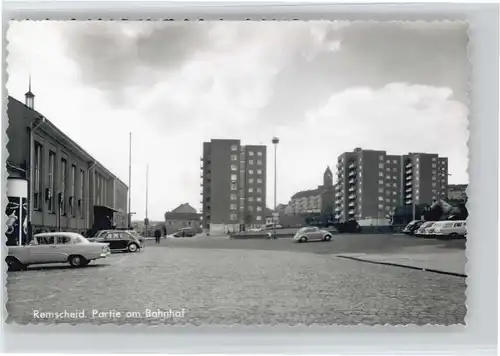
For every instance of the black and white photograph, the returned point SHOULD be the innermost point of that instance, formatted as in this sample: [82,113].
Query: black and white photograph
[237,172]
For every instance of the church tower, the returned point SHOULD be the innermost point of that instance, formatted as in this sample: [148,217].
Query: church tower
[30,97]
[328,178]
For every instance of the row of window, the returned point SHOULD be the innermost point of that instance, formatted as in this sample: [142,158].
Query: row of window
[250,153]
[234,217]
[39,194]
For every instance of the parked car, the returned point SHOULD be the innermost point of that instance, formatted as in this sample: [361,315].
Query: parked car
[423,229]
[134,233]
[412,227]
[312,233]
[450,229]
[184,232]
[119,240]
[56,247]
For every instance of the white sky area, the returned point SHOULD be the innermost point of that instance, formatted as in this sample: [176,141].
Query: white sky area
[322,87]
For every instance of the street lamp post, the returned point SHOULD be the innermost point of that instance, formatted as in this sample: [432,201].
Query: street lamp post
[275,143]
[233,214]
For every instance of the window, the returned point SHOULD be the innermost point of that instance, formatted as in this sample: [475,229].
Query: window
[233,177]
[394,177]
[381,158]
[395,162]
[380,182]
[259,190]
[37,185]
[259,153]
[82,191]
[250,198]
[259,162]
[381,206]
[233,206]
[250,153]
[250,161]
[394,169]
[388,161]
[234,197]
[234,167]
[259,171]
[394,192]
[259,218]
[259,181]
[52,181]
[73,189]
[234,148]
[233,186]
[250,190]
[380,190]
[259,199]
[46,240]
[233,217]
[387,169]
[259,208]
[250,208]
[63,240]
[250,171]
[234,157]
[381,165]
[380,174]
[381,198]
[434,165]
[64,168]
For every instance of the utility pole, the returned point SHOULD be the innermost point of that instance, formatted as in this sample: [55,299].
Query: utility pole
[129,215]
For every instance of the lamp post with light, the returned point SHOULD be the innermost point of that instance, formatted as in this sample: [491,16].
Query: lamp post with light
[275,142]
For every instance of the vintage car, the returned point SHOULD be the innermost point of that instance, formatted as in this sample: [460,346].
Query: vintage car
[120,240]
[133,233]
[311,233]
[55,247]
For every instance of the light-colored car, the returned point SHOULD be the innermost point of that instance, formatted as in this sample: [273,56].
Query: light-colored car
[450,228]
[424,228]
[312,233]
[56,247]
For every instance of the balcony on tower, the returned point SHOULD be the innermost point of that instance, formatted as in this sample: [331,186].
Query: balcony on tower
[409,165]
[352,181]
[352,196]
[352,173]
[352,204]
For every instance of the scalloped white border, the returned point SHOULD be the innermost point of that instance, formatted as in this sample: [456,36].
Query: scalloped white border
[481,252]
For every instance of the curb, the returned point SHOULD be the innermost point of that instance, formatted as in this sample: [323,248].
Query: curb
[403,266]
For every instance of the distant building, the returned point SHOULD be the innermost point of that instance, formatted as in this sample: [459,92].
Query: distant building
[457,192]
[183,216]
[319,200]
[371,184]
[233,185]
[63,186]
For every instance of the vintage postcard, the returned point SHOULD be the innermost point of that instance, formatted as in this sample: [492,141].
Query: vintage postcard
[237,173]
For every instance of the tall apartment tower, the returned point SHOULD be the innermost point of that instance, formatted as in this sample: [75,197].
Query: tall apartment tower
[371,184]
[233,185]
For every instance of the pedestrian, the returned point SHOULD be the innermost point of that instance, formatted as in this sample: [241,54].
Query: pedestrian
[157,236]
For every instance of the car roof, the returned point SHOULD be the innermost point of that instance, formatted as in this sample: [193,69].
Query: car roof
[71,234]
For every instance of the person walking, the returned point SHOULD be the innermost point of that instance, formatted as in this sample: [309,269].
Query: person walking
[157,236]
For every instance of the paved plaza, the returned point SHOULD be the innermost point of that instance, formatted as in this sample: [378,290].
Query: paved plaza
[214,280]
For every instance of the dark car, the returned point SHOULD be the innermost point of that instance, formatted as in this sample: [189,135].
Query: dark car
[412,227]
[185,232]
[119,240]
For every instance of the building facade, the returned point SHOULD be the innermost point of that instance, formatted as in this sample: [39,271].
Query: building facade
[184,216]
[68,190]
[233,180]
[371,184]
[457,192]
[319,200]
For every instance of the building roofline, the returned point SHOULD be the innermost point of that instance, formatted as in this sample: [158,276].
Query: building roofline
[75,145]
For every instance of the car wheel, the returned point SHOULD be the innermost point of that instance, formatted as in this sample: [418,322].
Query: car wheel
[327,238]
[133,247]
[77,261]
[14,264]
[303,239]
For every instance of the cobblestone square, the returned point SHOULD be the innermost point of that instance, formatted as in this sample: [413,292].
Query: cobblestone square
[221,281]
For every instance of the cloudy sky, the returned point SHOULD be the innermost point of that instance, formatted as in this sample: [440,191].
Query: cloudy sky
[322,87]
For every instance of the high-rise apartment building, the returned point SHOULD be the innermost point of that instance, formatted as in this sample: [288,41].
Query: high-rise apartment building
[233,185]
[371,184]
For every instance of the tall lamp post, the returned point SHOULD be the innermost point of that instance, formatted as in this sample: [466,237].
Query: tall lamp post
[275,143]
